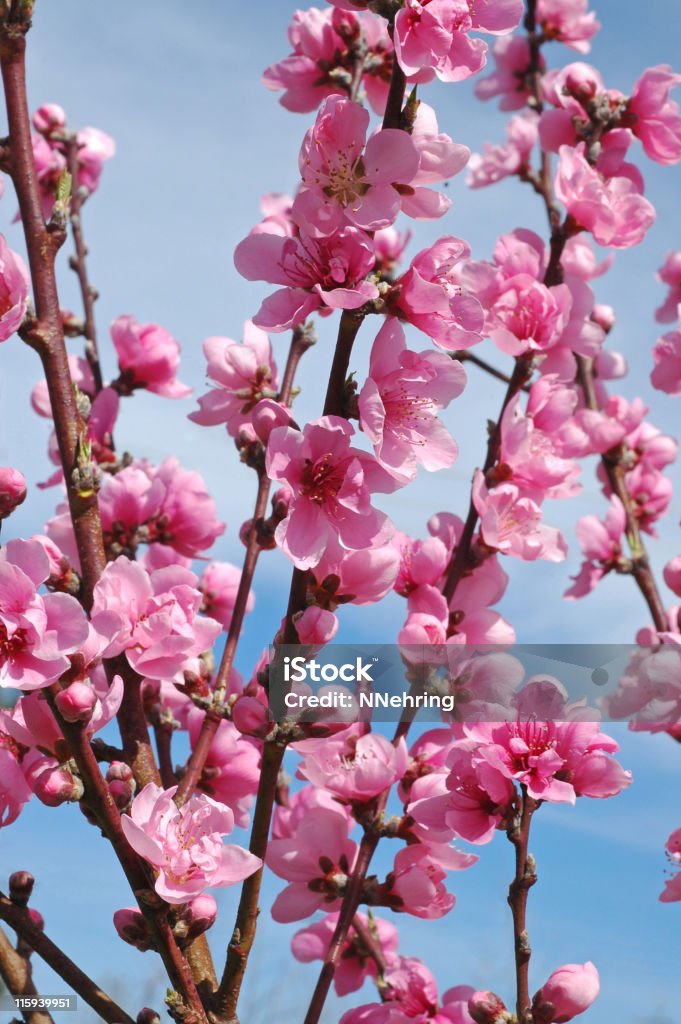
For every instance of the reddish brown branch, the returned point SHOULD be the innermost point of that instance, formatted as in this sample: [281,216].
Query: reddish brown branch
[47,335]
[78,263]
[20,920]
[15,971]
[243,937]
[523,880]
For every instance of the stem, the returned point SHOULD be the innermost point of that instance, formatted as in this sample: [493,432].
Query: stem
[99,800]
[15,971]
[523,880]
[372,944]
[614,465]
[463,559]
[466,356]
[303,338]
[164,738]
[20,920]
[227,996]
[78,263]
[42,244]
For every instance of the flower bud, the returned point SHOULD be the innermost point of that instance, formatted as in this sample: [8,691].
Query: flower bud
[568,992]
[77,702]
[267,415]
[316,626]
[147,1016]
[604,316]
[120,772]
[346,25]
[672,575]
[49,118]
[12,490]
[581,81]
[251,717]
[53,783]
[195,919]
[487,1008]
[611,365]
[132,928]
[20,887]
[122,793]
[281,501]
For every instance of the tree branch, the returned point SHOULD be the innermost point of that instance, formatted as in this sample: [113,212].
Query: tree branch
[15,971]
[20,920]
[523,880]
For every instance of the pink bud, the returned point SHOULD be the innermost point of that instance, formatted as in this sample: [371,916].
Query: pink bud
[199,915]
[672,575]
[281,501]
[316,626]
[52,783]
[77,702]
[20,887]
[37,918]
[132,928]
[12,490]
[49,118]
[604,316]
[251,717]
[568,992]
[119,771]
[147,1016]
[121,793]
[345,24]
[611,365]
[487,1008]
[581,82]
[267,415]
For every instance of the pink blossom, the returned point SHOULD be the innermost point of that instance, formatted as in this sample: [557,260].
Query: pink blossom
[49,117]
[12,490]
[343,181]
[601,543]
[430,296]
[232,766]
[353,768]
[81,375]
[672,890]
[14,287]
[316,860]
[95,147]
[416,884]
[331,484]
[242,375]
[362,577]
[148,357]
[568,21]
[37,632]
[14,790]
[77,702]
[569,991]
[433,34]
[152,618]
[670,274]
[511,157]
[187,515]
[532,458]
[477,801]
[317,274]
[509,78]
[666,374]
[316,626]
[323,58]
[439,159]
[487,1008]
[400,401]
[52,782]
[512,524]
[219,583]
[612,209]
[185,844]
[355,964]
[672,575]
[656,118]
[543,756]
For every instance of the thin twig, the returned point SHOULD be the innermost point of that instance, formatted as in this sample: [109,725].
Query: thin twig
[20,920]
[524,878]
[15,971]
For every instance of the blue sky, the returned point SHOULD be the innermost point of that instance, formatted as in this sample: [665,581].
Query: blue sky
[198,142]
